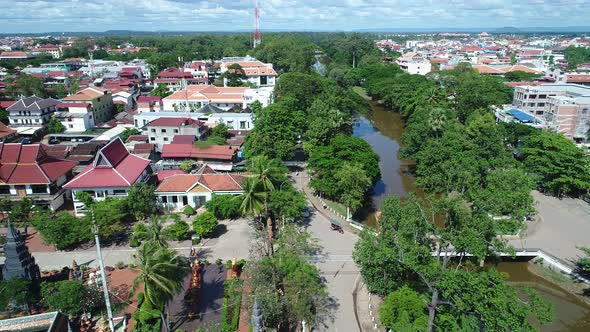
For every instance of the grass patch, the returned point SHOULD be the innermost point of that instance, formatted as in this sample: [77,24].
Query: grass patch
[547,273]
[339,208]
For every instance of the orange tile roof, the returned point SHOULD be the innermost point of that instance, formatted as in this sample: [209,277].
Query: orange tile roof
[520,68]
[485,69]
[211,181]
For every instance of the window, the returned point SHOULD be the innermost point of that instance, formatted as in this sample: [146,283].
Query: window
[163,131]
[4,190]
[165,139]
[176,131]
[36,120]
[153,130]
[164,199]
[242,124]
[71,126]
[542,96]
[152,138]
[119,192]
[174,199]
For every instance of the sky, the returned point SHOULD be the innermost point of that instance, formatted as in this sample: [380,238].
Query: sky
[19,16]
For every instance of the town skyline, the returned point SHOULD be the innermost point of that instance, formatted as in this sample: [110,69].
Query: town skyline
[298,15]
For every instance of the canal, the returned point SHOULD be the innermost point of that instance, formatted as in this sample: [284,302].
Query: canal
[382,129]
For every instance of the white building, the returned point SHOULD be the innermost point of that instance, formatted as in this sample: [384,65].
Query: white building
[33,112]
[414,63]
[235,121]
[76,117]
[194,97]
[257,72]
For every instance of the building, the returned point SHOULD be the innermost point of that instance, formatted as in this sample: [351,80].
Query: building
[176,79]
[564,107]
[76,117]
[257,72]
[54,321]
[33,112]
[179,190]
[100,101]
[15,56]
[28,171]
[111,174]
[52,50]
[581,79]
[149,104]
[414,63]
[208,115]
[194,97]
[218,157]
[7,134]
[163,130]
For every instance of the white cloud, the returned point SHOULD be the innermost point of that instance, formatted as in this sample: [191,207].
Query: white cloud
[203,15]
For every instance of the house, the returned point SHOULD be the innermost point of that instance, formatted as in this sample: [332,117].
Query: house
[111,174]
[7,134]
[163,130]
[179,190]
[414,63]
[28,171]
[488,70]
[207,114]
[31,112]
[218,157]
[76,117]
[257,72]
[193,97]
[100,100]
[52,50]
[149,104]
[175,79]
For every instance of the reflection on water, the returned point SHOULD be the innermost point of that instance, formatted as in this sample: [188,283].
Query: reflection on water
[382,129]
[571,314]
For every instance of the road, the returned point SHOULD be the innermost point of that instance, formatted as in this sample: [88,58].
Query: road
[339,270]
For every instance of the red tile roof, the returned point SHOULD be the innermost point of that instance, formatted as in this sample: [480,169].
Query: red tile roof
[5,131]
[138,138]
[68,105]
[213,182]
[6,103]
[113,166]
[219,152]
[147,99]
[29,164]
[166,173]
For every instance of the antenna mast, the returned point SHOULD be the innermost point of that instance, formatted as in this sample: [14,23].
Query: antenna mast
[257,34]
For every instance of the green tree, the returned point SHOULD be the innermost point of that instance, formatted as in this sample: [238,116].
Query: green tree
[186,165]
[55,127]
[16,291]
[252,199]
[161,90]
[128,132]
[352,185]
[3,116]
[25,85]
[520,76]
[60,91]
[100,54]
[152,233]
[21,210]
[560,166]
[234,75]
[288,203]
[161,271]
[224,206]
[404,303]
[62,229]
[576,55]
[288,288]
[178,231]
[204,224]
[108,214]
[220,130]
[141,200]
[72,297]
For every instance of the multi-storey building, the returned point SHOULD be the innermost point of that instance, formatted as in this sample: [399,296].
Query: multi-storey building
[32,112]
[162,130]
[193,97]
[175,79]
[76,117]
[414,63]
[100,101]
[257,72]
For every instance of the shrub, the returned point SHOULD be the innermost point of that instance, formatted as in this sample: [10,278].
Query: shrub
[229,264]
[71,297]
[62,229]
[139,230]
[224,206]
[177,231]
[205,223]
[134,243]
[188,211]
[119,265]
[230,312]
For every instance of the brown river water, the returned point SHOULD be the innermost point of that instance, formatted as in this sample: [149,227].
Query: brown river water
[382,129]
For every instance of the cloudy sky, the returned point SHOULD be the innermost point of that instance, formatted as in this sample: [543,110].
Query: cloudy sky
[232,15]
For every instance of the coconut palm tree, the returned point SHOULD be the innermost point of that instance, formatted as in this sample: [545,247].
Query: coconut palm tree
[268,172]
[252,200]
[437,119]
[161,271]
[154,233]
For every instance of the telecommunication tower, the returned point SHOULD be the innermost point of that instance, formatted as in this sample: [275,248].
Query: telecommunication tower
[257,34]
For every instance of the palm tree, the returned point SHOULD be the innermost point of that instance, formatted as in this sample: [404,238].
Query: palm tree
[252,200]
[437,119]
[154,233]
[268,172]
[161,271]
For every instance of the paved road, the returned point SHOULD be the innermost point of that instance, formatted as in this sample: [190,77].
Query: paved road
[561,227]
[340,272]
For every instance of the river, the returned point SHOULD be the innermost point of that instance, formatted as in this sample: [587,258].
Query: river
[382,129]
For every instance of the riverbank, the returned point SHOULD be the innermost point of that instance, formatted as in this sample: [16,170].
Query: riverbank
[566,282]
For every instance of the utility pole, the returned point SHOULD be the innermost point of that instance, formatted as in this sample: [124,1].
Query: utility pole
[103,276]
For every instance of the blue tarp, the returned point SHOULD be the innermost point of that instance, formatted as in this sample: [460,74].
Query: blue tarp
[521,116]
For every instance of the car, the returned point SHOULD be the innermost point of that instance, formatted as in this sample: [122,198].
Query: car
[54,141]
[26,141]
